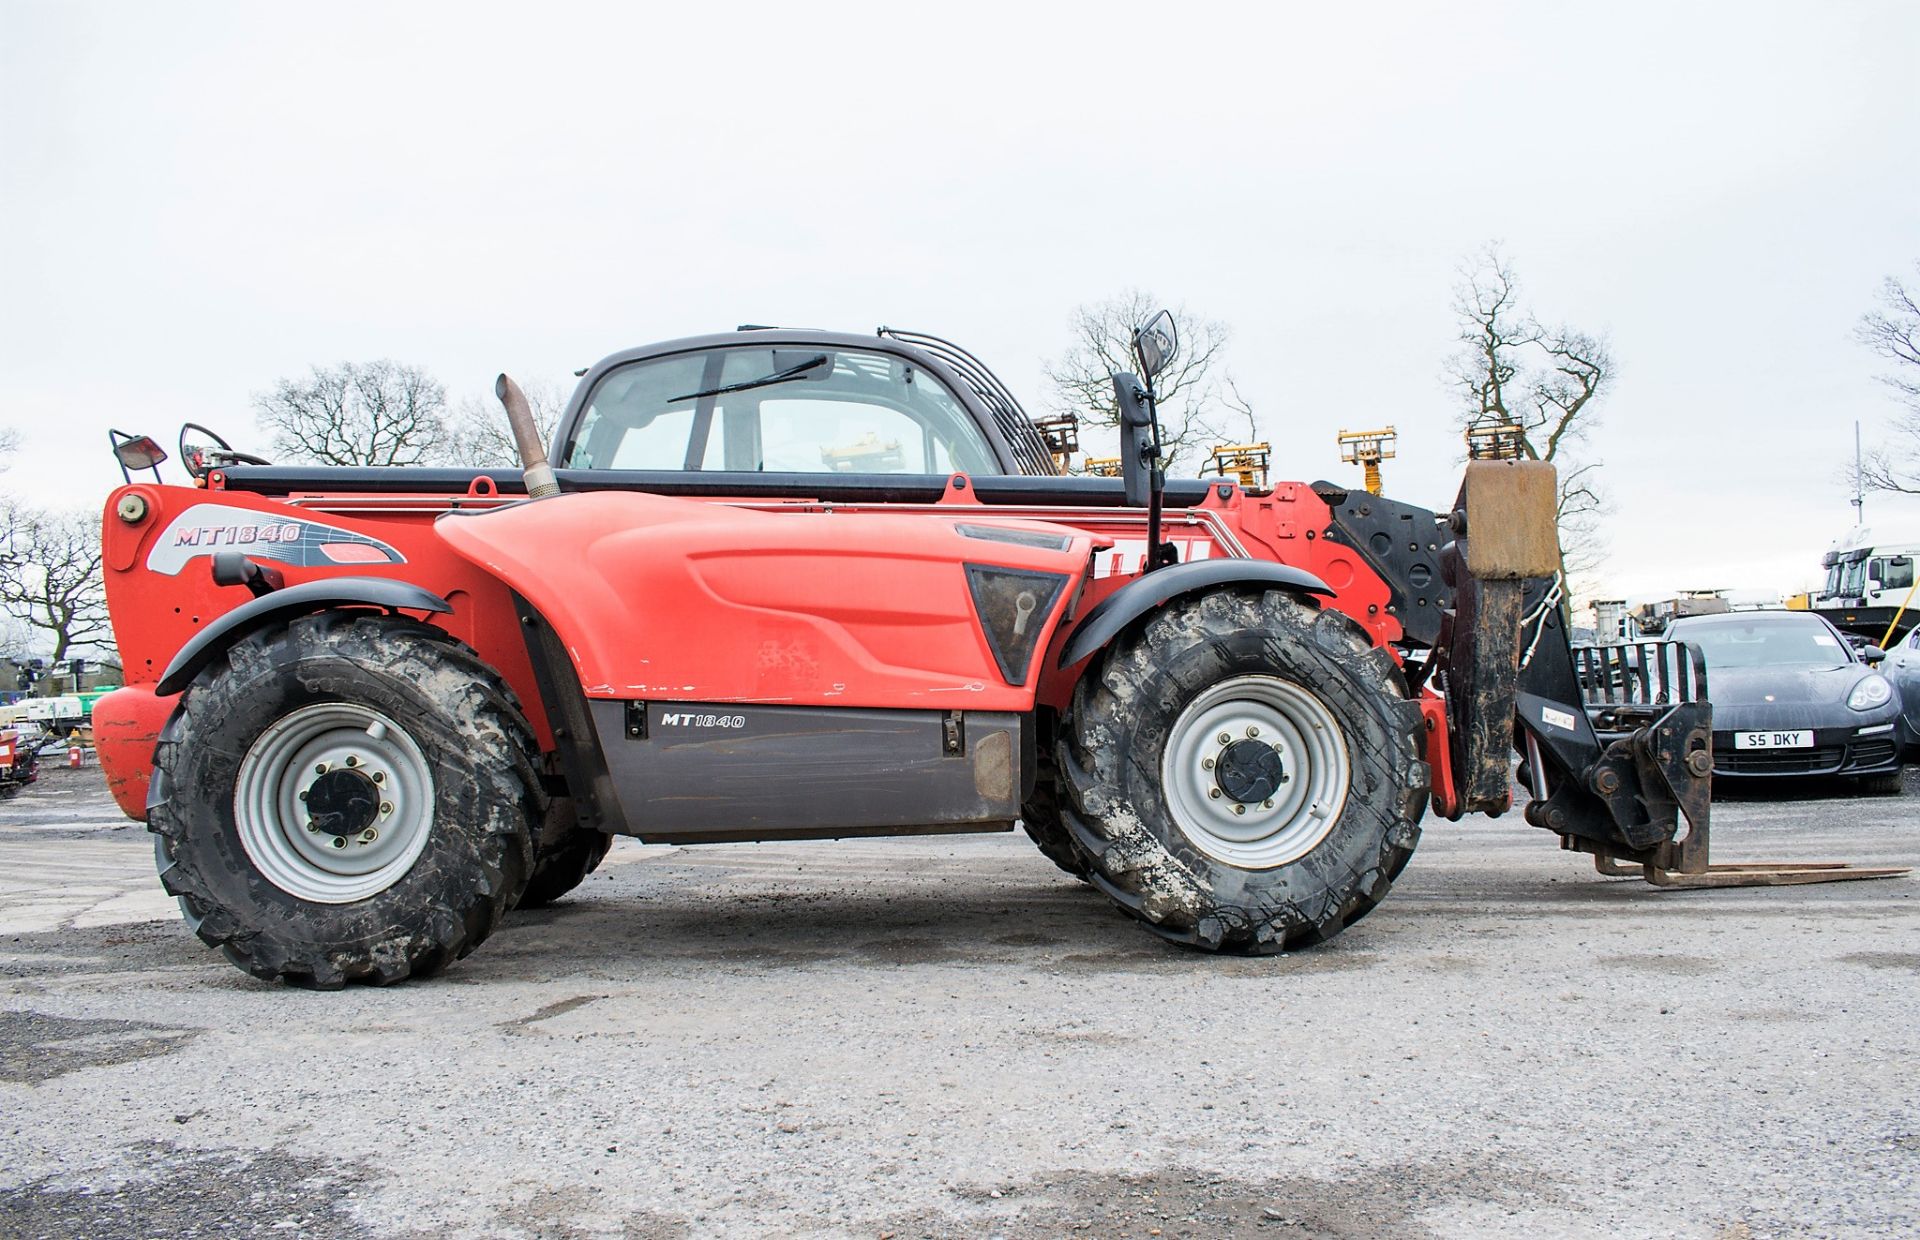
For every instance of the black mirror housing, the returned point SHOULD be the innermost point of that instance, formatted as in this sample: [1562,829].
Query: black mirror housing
[1136,440]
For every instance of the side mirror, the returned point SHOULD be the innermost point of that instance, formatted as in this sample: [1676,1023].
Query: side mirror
[1155,344]
[1136,440]
[1871,655]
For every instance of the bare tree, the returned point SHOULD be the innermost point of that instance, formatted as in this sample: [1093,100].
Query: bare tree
[50,578]
[357,413]
[1199,404]
[1512,370]
[478,435]
[1893,332]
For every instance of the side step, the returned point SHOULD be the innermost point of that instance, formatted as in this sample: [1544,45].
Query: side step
[1748,874]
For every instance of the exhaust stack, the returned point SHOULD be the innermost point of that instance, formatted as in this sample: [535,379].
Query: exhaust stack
[526,436]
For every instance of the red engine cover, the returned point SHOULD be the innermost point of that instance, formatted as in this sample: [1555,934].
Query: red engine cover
[665,598]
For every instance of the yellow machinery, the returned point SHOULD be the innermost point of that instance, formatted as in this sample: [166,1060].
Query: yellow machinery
[1245,461]
[1061,433]
[1494,441]
[1367,449]
[1103,466]
[865,455]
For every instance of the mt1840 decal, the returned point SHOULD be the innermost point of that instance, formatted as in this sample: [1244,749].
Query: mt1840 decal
[207,528]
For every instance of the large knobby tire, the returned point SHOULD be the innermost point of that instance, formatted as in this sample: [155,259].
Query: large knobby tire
[566,853]
[1291,691]
[349,798]
[1040,818]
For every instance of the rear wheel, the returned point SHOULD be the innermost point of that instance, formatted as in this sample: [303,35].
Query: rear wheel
[351,797]
[1243,772]
[567,853]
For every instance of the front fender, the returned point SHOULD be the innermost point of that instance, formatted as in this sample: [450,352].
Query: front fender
[312,596]
[1151,590]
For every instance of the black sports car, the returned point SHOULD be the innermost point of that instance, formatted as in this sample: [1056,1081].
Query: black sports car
[1792,697]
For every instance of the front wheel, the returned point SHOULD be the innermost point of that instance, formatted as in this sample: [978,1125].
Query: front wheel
[350,797]
[1244,772]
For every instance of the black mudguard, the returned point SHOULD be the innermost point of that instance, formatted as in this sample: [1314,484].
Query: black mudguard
[212,641]
[1149,591]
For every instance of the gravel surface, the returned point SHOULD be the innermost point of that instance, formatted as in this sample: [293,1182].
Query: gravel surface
[947,1037]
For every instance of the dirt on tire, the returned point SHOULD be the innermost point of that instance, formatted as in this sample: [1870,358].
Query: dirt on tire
[1110,753]
[487,797]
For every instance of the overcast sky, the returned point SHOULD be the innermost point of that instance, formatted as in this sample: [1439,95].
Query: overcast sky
[198,199]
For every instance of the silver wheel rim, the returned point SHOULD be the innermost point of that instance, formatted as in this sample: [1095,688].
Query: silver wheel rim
[286,763]
[1271,831]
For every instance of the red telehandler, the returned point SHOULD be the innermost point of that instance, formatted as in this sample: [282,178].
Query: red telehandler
[777,585]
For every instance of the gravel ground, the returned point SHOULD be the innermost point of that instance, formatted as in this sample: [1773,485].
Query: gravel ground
[947,1037]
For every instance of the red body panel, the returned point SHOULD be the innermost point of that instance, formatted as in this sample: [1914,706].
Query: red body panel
[125,725]
[685,600]
[160,593]
[694,600]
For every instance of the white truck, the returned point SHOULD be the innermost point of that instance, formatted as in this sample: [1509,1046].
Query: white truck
[1869,587]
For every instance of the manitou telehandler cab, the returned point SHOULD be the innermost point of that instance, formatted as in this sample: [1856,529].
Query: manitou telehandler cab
[780,585]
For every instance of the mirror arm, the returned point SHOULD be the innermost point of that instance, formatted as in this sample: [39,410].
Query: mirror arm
[1159,553]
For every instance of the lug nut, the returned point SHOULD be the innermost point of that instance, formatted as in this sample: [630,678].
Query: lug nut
[339,841]
[370,835]
[1206,764]
[379,777]
[1214,793]
[312,825]
[1253,732]
[386,807]
[1239,809]
[1268,804]
[353,762]
[303,795]
[1226,738]
[321,769]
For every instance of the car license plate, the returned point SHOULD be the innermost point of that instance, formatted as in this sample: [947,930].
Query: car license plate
[1802,739]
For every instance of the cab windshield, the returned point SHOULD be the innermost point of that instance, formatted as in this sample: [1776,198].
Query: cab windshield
[797,409]
[1730,642]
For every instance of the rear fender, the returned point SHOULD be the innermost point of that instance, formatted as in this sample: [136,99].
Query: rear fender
[212,642]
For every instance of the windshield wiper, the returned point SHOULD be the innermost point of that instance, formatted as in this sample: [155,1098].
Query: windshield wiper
[780,376]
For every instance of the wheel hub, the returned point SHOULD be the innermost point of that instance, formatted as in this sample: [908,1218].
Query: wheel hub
[334,802]
[1249,770]
[344,801]
[1255,771]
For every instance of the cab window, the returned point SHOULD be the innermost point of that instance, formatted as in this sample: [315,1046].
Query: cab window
[1895,572]
[797,409]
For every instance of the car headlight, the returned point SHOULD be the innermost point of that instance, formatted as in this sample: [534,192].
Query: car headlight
[1870,692]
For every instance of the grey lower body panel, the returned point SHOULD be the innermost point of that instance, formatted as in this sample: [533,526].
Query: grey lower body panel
[689,772]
